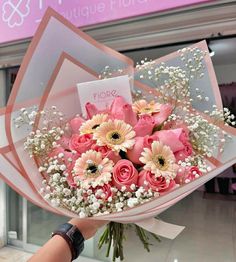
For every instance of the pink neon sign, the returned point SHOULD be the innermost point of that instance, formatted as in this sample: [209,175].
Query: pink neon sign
[20,18]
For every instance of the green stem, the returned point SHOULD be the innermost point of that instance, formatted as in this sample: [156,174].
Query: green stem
[121,243]
[103,238]
[109,242]
[143,237]
[114,233]
[156,237]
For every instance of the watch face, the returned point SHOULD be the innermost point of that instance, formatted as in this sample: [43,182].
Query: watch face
[73,237]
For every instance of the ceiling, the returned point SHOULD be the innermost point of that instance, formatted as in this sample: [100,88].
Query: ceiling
[225,51]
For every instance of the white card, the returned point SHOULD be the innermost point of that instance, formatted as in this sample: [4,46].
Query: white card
[102,92]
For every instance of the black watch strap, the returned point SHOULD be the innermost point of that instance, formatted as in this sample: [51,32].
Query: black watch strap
[73,237]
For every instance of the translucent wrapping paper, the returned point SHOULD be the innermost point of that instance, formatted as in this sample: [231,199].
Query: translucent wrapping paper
[61,56]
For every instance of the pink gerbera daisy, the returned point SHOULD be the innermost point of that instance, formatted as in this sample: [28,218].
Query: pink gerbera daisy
[160,160]
[142,107]
[116,135]
[92,170]
[90,125]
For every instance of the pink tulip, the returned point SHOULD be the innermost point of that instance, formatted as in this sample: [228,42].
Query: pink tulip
[169,138]
[116,109]
[129,116]
[144,125]
[140,143]
[165,111]
[91,110]
[76,123]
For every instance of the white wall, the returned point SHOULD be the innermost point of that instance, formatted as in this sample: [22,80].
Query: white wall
[226,73]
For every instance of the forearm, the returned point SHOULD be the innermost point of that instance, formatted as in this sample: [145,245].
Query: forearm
[56,249]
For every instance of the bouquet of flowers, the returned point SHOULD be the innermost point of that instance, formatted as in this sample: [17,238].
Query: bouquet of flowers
[108,156]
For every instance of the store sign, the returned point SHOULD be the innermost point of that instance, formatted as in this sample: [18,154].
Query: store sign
[20,18]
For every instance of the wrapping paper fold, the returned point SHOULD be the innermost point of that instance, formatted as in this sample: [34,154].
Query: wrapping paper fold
[59,57]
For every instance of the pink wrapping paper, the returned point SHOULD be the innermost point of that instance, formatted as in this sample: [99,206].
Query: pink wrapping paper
[59,57]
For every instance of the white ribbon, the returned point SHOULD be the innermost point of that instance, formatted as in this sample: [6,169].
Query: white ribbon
[160,228]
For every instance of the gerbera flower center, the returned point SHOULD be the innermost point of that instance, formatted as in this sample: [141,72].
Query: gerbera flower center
[92,170]
[142,107]
[90,126]
[160,162]
[95,126]
[147,110]
[115,137]
[115,134]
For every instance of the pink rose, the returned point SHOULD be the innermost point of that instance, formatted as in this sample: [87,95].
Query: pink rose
[76,123]
[165,111]
[140,143]
[145,125]
[148,181]
[187,174]
[106,152]
[103,192]
[81,143]
[124,174]
[194,173]
[186,152]
[170,138]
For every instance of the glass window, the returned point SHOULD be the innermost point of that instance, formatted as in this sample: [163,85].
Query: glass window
[15,215]
[40,224]
[28,225]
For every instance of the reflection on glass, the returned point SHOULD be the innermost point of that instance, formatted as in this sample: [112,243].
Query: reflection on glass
[40,224]
[15,230]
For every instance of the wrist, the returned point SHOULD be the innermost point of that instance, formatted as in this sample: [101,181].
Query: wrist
[73,237]
[87,229]
[79,225]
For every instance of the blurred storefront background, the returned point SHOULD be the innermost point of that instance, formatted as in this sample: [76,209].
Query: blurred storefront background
[138,28]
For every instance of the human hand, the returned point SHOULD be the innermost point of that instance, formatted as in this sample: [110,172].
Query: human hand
[87,227]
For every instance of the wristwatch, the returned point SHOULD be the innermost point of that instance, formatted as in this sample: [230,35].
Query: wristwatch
[72,236]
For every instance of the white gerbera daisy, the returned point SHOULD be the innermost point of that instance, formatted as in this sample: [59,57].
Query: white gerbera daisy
[159,160]
[90,125]
[92,170]
[116,135]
